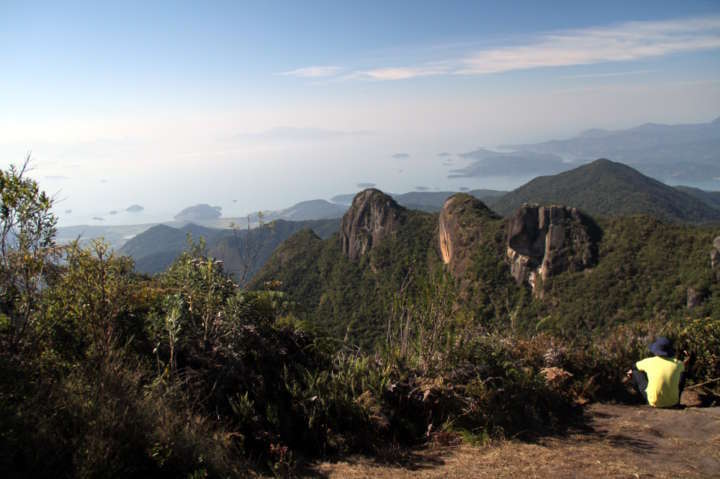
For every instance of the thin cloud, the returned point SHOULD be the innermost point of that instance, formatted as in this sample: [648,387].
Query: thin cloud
[401,73]
[365,185]
[401,156]
[313,72]
[621,42]
[609,74]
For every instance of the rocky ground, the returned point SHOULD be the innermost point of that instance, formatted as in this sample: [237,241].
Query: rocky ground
[616,441]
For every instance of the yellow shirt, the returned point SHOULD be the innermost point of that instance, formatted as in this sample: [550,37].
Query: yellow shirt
[663,389]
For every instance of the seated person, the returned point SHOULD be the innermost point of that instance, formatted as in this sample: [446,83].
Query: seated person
[660,379]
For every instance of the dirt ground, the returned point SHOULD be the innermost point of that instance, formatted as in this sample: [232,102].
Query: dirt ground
[617,441]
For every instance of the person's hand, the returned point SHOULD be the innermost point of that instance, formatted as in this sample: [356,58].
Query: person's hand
[686,357]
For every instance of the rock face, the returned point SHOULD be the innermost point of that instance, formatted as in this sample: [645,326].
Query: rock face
[372,217]
[715,257]
[543,241]
[694,298]
[460,227]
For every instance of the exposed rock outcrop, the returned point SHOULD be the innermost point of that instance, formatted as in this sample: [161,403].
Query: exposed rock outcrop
[715,257]
[694,298]
[544,241]
[372,217]
[460,228]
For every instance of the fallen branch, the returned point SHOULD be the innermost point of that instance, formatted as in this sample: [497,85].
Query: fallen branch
[703,384]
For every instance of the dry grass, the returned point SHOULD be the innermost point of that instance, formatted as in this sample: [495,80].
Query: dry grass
[619,441]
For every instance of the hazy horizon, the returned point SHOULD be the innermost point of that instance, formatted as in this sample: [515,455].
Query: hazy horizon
[260,106]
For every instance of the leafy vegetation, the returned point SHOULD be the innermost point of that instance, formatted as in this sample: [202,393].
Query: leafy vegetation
[108,373]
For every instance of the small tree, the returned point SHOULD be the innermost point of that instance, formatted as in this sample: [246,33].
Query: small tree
[245,249]
[27,247]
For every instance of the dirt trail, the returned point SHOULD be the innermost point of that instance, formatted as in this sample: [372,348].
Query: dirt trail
[619,441]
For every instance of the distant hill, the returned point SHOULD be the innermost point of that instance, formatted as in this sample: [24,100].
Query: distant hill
[711,198]
[514,163]
[430,201]
[202,212]
[687,153]
[243,251]
[607,188]
[309,210]
[156,248]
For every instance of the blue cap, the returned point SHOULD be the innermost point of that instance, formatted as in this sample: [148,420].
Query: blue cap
[662,347]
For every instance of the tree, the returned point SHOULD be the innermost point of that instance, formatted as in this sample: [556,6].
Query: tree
[247,246]
[27,247]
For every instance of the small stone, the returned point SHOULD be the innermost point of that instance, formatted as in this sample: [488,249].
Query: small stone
[690,398]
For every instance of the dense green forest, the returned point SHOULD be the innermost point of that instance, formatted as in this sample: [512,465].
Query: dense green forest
[608,188]
[105,372]
[646,269]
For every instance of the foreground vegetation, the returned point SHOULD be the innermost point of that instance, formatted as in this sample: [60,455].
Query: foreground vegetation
[105,373]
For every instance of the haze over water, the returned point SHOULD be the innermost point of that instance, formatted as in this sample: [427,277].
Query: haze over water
[255,107]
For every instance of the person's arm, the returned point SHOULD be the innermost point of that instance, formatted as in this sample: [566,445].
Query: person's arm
[683,374]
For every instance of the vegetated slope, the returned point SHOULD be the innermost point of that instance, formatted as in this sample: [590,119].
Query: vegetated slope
[646,270]
[361,299]
[243,251]
[606,188]
[711,198]
[349,298]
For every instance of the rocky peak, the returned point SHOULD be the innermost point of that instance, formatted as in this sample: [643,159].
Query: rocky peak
[544,241]
[460,227]
[372,217]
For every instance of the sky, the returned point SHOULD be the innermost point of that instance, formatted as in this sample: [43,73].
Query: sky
[258,105]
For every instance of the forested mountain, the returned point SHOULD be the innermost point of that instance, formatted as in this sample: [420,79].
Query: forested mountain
[710,198]
[243,251]
[607,188]
[551,268]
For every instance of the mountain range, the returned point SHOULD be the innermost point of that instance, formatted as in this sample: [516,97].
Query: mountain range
[677,154]
[555,267]
[602,189]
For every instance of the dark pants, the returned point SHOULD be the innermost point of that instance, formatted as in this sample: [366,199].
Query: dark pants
[640,381]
